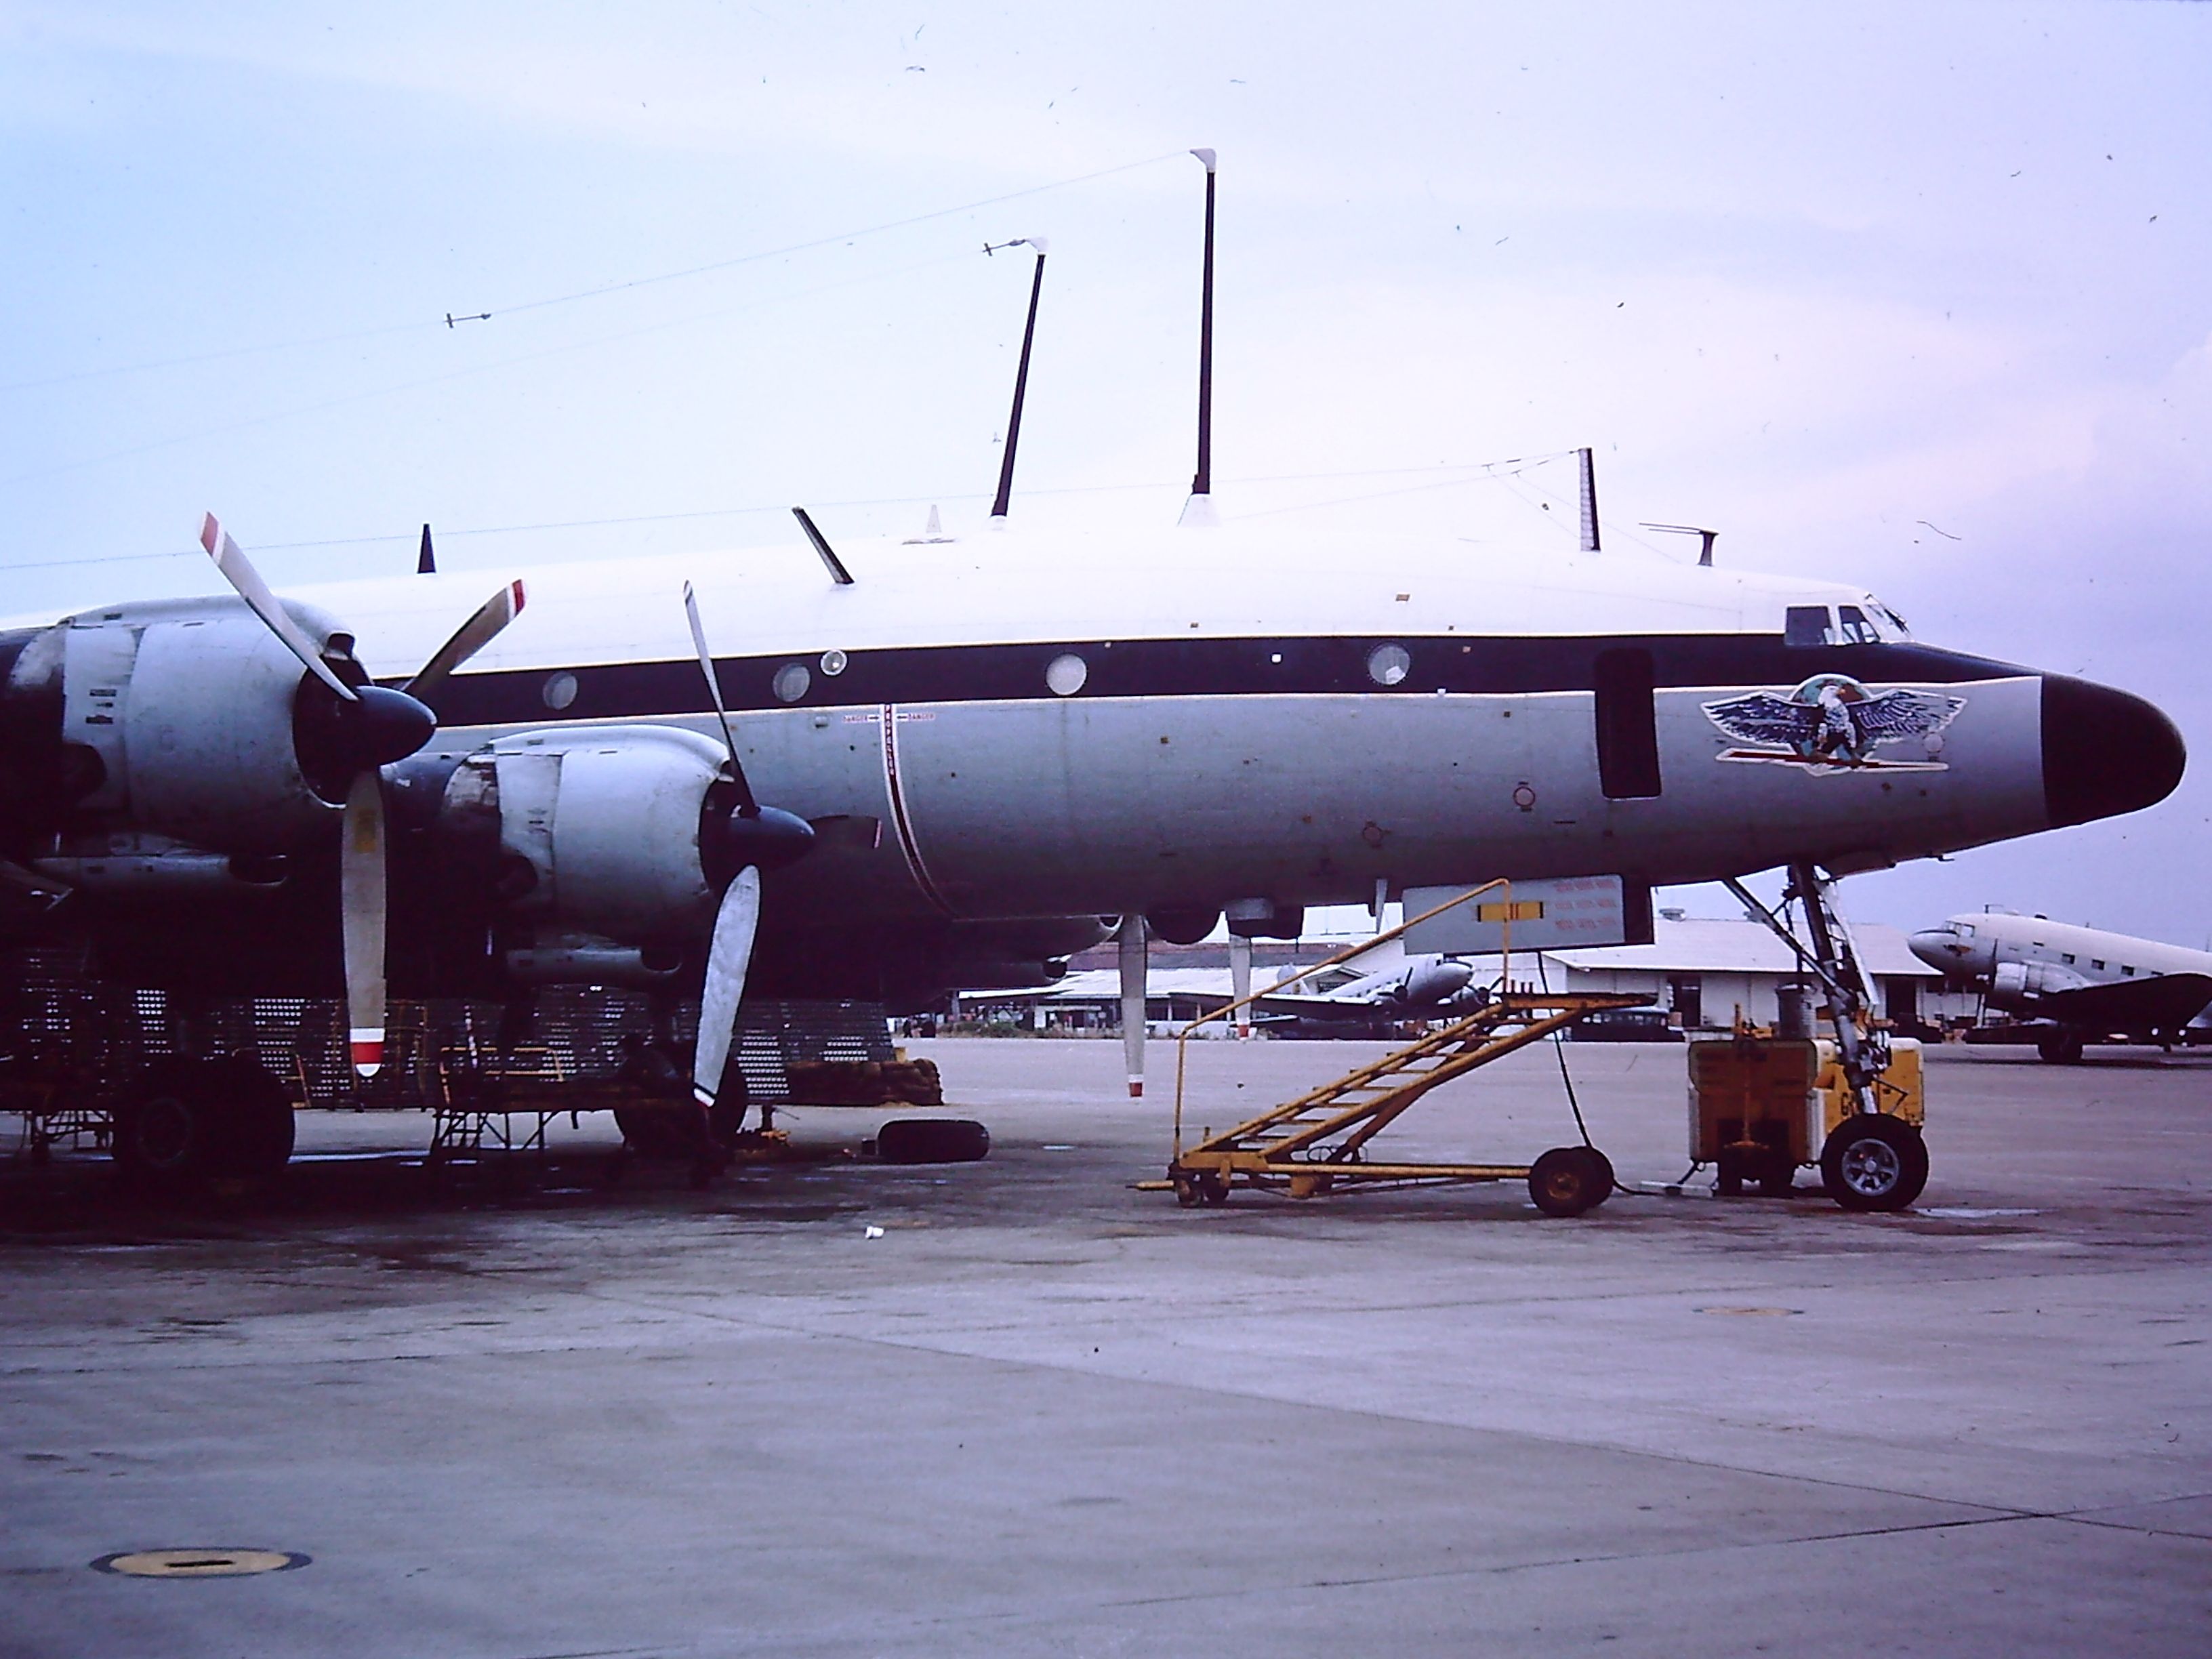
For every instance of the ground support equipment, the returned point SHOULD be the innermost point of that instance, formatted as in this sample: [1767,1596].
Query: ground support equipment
[1320,1141]
[1873,1157]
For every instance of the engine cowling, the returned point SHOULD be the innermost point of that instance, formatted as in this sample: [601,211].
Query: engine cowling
[598,831]
[2024,981]
[188,719]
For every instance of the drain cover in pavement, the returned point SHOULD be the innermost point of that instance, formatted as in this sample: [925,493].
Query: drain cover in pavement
[198,1564]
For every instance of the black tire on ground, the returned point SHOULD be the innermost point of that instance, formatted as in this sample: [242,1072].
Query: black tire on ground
[672,1130]
[187,1123]
[256,1109]
[932,1140]
[2061,1048]
[1874,1162]
[1727,1172]
[1777,1172]
[1570,1180]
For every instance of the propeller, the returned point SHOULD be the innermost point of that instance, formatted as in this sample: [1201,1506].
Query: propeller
[746,840]
[342,741]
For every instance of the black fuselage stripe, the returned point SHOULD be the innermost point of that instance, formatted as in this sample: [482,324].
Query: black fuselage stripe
[1305,665]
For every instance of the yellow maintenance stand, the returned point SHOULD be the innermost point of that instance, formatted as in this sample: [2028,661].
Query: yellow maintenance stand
[1320,1141]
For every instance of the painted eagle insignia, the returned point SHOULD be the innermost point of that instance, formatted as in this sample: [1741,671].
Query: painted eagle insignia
[1833,724]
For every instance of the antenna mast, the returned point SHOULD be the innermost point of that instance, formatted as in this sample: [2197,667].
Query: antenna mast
[1021,383]
[1589,465]
[1199,510]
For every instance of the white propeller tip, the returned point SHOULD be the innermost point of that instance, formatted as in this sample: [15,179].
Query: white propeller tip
[703,1097]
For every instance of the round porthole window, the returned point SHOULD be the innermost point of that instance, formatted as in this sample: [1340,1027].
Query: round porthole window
[560,690]
[1388,664]
[833,663]
[1066,673]
[792,681]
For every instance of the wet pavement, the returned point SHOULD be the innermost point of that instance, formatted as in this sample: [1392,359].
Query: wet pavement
[569,1408]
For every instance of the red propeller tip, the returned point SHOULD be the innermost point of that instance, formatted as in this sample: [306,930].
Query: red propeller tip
[211,532]
[367,1049]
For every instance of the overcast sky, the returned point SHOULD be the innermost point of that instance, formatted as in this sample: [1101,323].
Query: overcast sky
[1915,297]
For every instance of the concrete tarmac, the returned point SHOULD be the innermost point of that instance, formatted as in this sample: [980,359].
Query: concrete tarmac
[1040,1412]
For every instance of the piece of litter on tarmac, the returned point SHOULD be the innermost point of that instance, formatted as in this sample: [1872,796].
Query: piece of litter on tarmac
[871,1232]
[1955,1214]
[1059,1145]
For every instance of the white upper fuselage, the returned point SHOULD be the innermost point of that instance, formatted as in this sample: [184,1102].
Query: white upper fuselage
[1009,586]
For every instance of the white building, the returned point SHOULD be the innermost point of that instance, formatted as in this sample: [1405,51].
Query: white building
[1702,972]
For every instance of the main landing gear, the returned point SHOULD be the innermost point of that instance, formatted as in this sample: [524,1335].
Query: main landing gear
[187,1123]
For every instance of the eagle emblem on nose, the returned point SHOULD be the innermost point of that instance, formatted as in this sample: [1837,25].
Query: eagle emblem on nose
[1832,724]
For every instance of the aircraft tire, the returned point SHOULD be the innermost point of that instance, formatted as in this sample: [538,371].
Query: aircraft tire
[1777,1173]
[932,1140]
[1571,1180]
[1874,1162]
[187,1122]
[2061,1048]
[668,1131]
[255,1111]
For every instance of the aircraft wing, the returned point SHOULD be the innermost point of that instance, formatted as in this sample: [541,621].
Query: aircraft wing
[2164,1004]
[1317,1007]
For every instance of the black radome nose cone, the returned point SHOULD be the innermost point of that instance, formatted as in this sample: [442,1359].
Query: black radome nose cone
[2104,752]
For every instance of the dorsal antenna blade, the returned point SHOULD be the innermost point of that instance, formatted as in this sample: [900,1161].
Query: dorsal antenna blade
[836,566]
[426,562]
[1199,510]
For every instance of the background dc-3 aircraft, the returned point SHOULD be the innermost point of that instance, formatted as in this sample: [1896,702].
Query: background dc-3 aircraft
[2091,984]
[884,769]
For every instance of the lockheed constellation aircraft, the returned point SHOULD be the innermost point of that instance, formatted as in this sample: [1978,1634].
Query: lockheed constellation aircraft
[913,765]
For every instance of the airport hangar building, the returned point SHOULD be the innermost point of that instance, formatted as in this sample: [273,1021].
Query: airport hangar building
[1700,971]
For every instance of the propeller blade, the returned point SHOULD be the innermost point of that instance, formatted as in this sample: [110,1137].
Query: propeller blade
[727,958]
[471,637]
[240,573]
[746,804]
[360,884]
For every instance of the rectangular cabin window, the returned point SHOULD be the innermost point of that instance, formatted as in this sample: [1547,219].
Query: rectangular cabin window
[1627,726]
[2128,973]
[2068,959]
[1805,624]
[2098,962]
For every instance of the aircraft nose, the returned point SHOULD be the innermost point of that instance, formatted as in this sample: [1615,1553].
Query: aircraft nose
[1937,947]
[2104,752]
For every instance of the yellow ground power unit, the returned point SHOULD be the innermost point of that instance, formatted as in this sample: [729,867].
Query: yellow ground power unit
[1762,1107]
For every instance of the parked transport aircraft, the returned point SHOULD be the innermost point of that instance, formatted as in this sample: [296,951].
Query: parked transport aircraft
[2080,984]
[881,769]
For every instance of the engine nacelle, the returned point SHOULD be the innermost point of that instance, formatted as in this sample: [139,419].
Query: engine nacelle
[176,718]
[599,830]
[2024,981]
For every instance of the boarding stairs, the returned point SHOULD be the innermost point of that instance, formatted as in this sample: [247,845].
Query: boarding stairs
[1321,1140]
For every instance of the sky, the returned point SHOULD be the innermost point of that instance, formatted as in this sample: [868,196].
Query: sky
[1911,295]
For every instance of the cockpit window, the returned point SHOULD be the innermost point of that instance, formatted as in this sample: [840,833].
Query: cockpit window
[1806,624]
[1857,630]
[1890,620]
